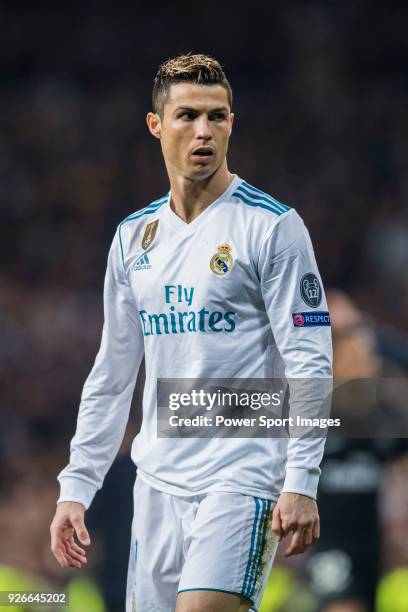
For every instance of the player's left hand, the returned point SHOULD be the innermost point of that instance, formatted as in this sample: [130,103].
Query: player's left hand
[298,514]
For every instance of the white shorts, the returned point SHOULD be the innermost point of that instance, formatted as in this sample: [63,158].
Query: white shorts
[216,541]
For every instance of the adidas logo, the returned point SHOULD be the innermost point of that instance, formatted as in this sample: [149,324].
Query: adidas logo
[142,263]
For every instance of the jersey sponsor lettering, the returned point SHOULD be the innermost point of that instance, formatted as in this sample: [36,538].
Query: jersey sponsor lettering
[181,322]
[185,321]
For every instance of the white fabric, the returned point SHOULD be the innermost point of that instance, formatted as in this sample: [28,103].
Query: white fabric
[252,336]
[216,541]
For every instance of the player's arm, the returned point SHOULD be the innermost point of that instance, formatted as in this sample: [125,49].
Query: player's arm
[286,256]
[103,412]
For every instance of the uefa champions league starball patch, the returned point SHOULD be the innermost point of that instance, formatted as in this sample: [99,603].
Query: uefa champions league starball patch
[221,263]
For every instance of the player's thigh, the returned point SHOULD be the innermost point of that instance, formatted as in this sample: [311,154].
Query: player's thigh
[156,552]
[229,550]
[211,601]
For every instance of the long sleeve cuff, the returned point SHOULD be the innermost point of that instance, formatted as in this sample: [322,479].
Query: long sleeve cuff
[76,490]
[301,480]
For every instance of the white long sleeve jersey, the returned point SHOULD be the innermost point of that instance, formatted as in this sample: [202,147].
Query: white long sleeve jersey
[236,293]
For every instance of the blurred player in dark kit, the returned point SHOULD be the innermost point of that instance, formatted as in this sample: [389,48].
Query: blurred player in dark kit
[344,566]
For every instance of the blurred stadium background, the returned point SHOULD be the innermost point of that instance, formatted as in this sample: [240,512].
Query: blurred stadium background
[321,98]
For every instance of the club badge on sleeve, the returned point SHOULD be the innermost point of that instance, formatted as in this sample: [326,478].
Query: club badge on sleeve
[311,290]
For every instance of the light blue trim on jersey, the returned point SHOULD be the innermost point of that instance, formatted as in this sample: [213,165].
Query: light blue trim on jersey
[121,247]
[253,569]
[259,199]
[148,210]
[266,504]
[252,574]
[251,549]
[284,207]
[241,197]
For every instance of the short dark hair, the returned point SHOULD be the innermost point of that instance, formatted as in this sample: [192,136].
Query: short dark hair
[187,68]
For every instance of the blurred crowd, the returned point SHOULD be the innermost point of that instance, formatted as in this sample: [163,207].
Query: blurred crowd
[320,102]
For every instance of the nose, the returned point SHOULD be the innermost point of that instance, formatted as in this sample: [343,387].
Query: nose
[203,128]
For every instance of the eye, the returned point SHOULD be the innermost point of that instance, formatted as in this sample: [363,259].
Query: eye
[218,117]
[187,116]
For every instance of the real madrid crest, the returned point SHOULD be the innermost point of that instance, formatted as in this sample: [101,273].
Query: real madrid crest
[221,263]
[150,234]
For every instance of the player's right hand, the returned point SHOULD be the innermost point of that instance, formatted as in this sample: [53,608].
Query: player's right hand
[69,519]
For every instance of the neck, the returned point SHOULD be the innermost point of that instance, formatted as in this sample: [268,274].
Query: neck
[189,198]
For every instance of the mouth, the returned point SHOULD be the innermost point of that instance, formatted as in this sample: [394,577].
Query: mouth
[203,154]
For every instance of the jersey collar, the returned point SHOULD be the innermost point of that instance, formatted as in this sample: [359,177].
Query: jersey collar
[176,223]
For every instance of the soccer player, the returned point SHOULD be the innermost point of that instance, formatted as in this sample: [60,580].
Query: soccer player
[214,279]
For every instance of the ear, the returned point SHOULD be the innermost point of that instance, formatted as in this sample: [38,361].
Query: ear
[232,117]
[154,124]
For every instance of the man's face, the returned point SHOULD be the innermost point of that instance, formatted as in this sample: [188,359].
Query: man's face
[195,129]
